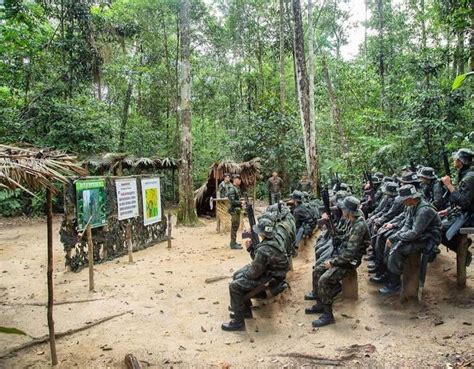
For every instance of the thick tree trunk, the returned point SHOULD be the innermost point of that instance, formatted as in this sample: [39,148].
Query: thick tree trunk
[49,221]
[336,112]
[307,121]
[366,74]
[123,124]
[282,58]
[460,53]
[187,210]
[311,69]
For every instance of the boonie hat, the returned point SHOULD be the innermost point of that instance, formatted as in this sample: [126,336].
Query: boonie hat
[408,192]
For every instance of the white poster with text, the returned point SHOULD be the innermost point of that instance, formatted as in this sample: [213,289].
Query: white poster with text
[127,198]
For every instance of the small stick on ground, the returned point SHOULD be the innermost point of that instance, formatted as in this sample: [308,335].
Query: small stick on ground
[318,360]
[215,279]
[56,303]
[43,339]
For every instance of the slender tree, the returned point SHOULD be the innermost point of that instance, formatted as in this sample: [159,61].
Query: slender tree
[187,211]
[307,121]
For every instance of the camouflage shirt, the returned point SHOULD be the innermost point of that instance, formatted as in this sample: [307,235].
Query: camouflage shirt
[354,243]
[275,185]
[463,196]
[304,186]
[269,259]
[233,194]
[421,224]
[223,188]
[433,193]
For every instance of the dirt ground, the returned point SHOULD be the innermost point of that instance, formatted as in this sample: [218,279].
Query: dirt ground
[175,317]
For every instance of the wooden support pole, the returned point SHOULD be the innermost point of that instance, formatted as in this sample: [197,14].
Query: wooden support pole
[461,255]
[169,230]
[90,252]
[129,243]
[52,340]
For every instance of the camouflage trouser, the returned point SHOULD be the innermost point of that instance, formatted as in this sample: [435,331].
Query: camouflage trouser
[398,253]
[275,197]
[238,288]
[235,223]
[327,282]
[381,251]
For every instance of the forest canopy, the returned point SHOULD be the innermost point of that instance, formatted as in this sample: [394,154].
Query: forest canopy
[93,77]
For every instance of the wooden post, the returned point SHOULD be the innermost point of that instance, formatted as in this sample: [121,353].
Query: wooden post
[90,252]
[461,254]
[410,277]
[350,286]
[217,183]
[129,243]
[52,338]
[169,230]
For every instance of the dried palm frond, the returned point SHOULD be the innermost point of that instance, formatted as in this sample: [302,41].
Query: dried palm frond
[116,162]
[31,168]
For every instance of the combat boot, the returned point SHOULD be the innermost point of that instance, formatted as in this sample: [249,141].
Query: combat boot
[310,296]
[393,285]
[378,278]
[325,319]
[247,314]
[370,257]
[315,309]
[234,325]
[235,246]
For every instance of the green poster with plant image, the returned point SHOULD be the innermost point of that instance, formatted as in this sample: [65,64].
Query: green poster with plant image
[90,203]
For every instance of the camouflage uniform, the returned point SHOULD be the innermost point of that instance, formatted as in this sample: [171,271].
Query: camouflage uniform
[223,188]
[233,194]
[304,185]
[433,193]
[269,261]
[421,228]
[354,243]
[274,185]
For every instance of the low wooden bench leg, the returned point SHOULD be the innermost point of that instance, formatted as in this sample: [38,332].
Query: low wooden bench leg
[411,277]
[461,254]
[350,286]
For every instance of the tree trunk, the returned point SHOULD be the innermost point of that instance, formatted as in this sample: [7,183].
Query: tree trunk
[311,70]
[460,53]
[123,124]
[282,59]
[366,98]
[49,221]
[307,121]
[186,210]
[336,113]
[381,52]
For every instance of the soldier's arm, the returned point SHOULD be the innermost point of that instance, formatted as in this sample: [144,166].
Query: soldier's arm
[464,195]
[438,193]
[420,223]
[257,267]
[352,246]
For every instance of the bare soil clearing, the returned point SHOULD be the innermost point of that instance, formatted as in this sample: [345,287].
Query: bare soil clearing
[176,316]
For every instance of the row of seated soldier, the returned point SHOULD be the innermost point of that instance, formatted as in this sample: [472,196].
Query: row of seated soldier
[398,216]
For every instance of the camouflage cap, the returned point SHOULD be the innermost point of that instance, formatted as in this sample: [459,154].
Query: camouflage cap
[390,188]
[426,172]
[464,156]
[351,204]
[264,227]
[409,177]
[297,195]
[408,192]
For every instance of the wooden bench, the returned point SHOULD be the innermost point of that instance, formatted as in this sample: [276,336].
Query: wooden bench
[350,286]
[411,277]
[461,254]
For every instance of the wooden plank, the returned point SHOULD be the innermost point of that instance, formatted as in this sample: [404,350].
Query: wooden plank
[461,254]
[410,277]
[467,230]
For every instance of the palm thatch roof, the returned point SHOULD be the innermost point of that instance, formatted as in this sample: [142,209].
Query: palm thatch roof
[248,170]
[115,163]
[31,168]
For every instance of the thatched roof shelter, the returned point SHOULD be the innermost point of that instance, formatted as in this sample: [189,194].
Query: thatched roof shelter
[31,168]
[115,163]
[249,171]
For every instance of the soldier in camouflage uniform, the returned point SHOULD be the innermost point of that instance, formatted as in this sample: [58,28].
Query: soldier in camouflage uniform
[274,186]
[269,261]
[304,184]
[224,185]
[422,228]
[329,275]
[461,197]
[234,195]
[432,188]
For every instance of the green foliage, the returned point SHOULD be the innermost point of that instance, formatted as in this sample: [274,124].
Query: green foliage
[9,330]
[459,80]
[10,204]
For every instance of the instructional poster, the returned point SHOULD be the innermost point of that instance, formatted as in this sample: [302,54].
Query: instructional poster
[151,200]
[90,203]
[127,198]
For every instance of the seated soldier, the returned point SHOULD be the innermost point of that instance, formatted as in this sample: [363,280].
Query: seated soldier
[304,216]
[461,212]
[421,229]
[269,262]
[304,184]
[285,228]
[329,275]
[432,188]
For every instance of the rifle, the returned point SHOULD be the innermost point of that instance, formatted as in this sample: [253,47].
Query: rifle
[251,215]
[327,209]
[447,171]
